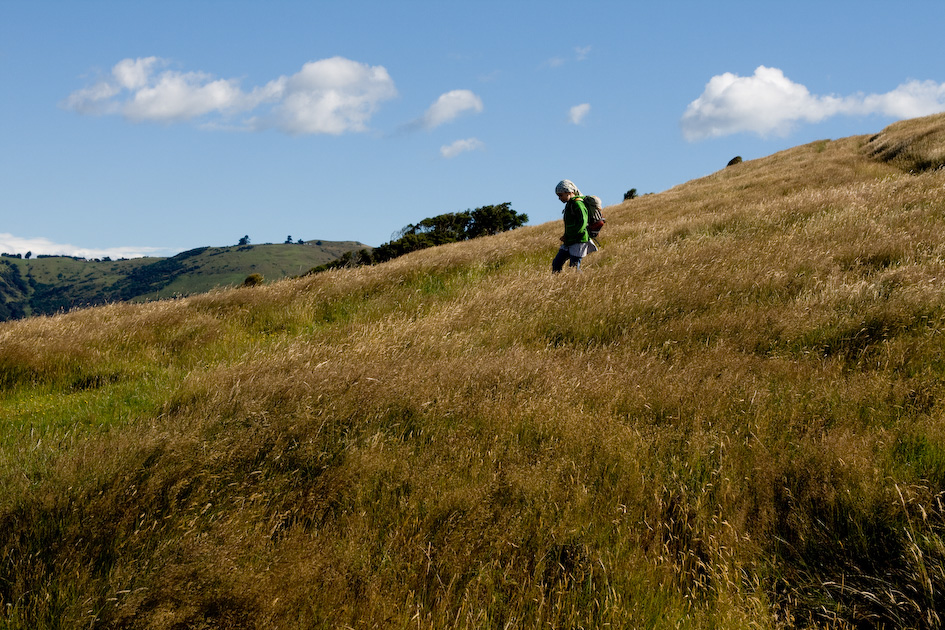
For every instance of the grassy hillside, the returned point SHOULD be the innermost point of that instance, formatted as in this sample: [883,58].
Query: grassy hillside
[732,418]
[59,283]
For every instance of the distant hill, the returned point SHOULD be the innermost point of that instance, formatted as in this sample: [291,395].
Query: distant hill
[51,284]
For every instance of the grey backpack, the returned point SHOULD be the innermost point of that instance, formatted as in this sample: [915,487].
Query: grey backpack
[595,220]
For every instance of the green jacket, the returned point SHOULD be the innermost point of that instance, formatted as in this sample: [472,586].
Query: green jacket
[575,222]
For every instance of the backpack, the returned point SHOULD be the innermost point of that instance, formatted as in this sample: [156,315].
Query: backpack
[595,220]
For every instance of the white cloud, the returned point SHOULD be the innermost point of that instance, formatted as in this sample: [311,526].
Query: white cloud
[768,103]
[11,244]
[578,112]
[461,146]
[909,100]
[450,106]
[331,96]
[133,74]
[582,52]
[177,97]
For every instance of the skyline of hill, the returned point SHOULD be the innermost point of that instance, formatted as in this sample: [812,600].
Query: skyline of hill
[46,285]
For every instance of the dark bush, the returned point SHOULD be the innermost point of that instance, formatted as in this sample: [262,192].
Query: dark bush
[253,280]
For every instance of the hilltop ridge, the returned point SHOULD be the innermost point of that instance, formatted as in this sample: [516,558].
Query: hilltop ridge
[731,418]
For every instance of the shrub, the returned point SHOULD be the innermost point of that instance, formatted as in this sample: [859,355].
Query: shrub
[253,280]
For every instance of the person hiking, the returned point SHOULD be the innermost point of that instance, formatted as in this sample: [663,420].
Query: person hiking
[575,243]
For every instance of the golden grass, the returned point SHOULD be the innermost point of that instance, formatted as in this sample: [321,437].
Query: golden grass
[730,419]
[913,145]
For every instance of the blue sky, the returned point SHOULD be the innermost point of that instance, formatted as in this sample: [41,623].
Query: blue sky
[152,127]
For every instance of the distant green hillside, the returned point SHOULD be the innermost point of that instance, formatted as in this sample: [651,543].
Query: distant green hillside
[51,284]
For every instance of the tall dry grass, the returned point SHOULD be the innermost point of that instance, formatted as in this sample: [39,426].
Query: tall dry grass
[730,419]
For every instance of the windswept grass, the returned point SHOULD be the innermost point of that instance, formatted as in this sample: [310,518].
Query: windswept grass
[914,146]
[730,419]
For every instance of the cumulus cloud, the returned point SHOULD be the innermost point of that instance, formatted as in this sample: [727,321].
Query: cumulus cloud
[578,112]
[768,103]
[450,106]
[11,244]
[909,100]
[330,96]
[133,74]
[461,146]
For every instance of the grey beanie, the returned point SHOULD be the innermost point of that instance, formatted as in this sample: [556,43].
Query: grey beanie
[566,186]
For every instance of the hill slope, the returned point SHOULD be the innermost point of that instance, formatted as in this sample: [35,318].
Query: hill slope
[732,418]
[52,284]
